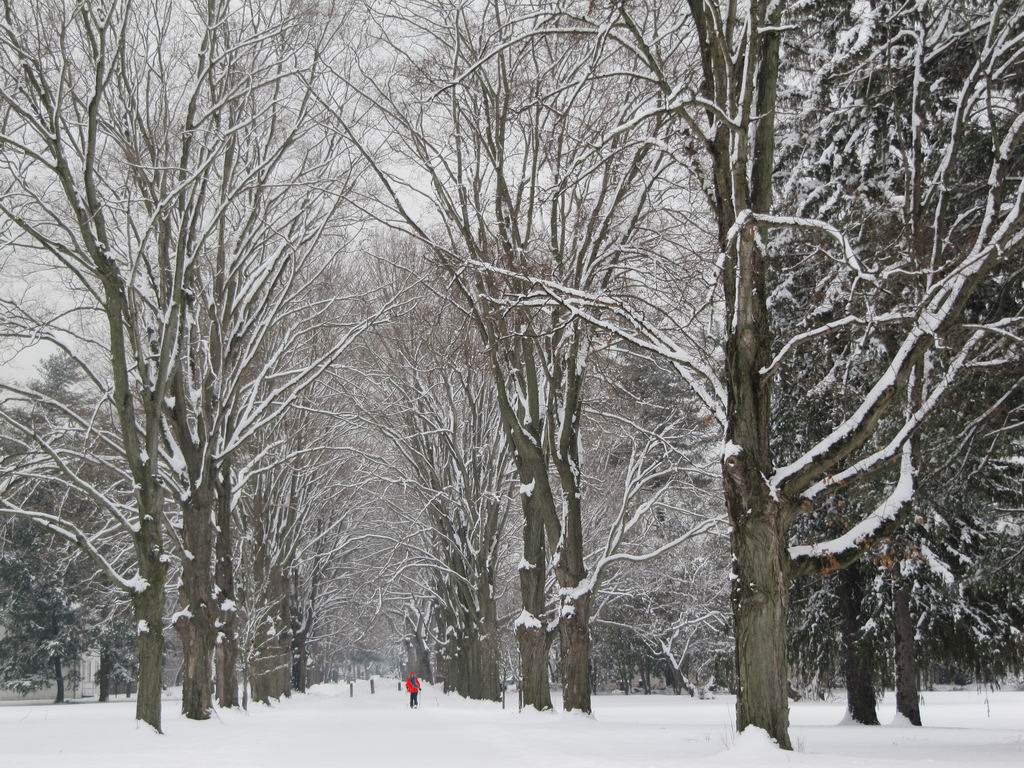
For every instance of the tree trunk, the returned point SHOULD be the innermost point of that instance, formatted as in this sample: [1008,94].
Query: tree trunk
[574,591]
[227,639]
[149,613]
[300,657]
[417,657]
[283,671]
[302,624]
[260,682]
[245,687]
[197,642]
[469,625]
[490,651]
[462,660]
[674,677]
[104,675]
[761,563]
[759,599]
[645,675]
[574,640]
[272,666]
[58,677]
[196,621]
[743,163]
[858,658]
[907,698]
[266,673]
[530,629]
[227,672]
[758,538]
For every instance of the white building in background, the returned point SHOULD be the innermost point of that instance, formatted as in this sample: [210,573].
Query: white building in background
[85,687]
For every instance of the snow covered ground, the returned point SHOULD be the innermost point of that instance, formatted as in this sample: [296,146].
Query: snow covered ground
[327,728]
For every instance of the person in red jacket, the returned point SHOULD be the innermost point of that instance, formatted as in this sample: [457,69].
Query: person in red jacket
[412,685]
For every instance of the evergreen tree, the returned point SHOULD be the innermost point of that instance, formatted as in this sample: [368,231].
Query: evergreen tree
[41,612]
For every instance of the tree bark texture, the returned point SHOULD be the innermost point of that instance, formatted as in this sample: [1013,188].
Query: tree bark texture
[907,696]
[227,639]
[58,679]
[530,628]
[196,621]
[858,658]
[149,613]
[760,585]
[104,675]
[417,655]
[575,593]
[272,667]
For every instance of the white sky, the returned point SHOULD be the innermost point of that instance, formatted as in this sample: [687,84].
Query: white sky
[38,286]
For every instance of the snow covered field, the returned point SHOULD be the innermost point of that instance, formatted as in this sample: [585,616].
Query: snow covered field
[327,728]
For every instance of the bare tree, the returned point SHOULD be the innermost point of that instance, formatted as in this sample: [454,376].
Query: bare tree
[450,474]
[296,513]
[201,224]
[510,186]
[66,193]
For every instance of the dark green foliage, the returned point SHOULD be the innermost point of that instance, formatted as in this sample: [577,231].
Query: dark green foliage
[42,616]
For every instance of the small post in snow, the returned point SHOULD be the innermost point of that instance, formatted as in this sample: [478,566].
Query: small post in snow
[351,689]
[371,685]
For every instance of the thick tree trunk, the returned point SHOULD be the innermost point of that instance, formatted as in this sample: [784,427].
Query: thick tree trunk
[227,672]
[227,640]
[467,616]
[272,667]
[300,657]
[196,621]
[149,614]
[743,165]
[150,651]
[302,624]
[104,675]
[907,697]
[759,599]
[262,671]
[245,686]
[760,558]
[197,641]
[760,582]
[461,656]
[574,591]
[530,629]
[58,679]
[574,641]
[471,651]
[489,654]
[858,658]
[533,650]
[271,670]
[283,676]
[424,670]
[759,589]
[417,656]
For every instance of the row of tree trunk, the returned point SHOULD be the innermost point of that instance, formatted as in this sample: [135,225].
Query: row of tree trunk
[470,656]
[859,656]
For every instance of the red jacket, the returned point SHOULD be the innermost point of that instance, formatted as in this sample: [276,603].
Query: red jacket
[412,684]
